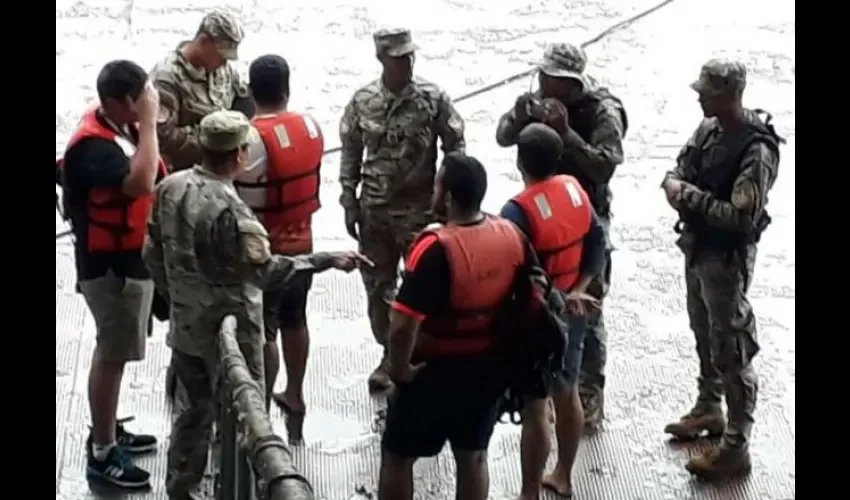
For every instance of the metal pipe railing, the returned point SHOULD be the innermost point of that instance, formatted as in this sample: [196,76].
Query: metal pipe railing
[255,462]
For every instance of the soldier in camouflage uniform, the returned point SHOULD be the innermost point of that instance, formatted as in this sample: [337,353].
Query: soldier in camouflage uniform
[592,124]
[396,119]
[209,255]
[720,187]
[195,80]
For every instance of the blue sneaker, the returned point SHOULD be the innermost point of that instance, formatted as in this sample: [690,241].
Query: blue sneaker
[117,469]
[133,443]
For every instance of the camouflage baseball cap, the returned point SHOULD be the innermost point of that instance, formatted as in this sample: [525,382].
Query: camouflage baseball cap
[564,60]
[226,32]
[394,42]
[720,76]
[226,130]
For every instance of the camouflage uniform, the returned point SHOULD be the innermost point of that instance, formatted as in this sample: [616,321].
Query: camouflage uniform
[187,94]
[722,215]
[593,148]
[399,135]
[209,255]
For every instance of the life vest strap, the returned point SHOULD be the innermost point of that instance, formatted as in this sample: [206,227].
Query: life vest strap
[278,184]
[546,253]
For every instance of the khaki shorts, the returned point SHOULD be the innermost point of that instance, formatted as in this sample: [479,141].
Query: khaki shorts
[121,308]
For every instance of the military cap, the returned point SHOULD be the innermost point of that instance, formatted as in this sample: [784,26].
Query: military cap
[226,130]
[564,60]
[394,42]
[226,32]
[721,76]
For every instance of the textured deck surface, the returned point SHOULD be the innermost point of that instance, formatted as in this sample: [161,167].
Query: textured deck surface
[466,44]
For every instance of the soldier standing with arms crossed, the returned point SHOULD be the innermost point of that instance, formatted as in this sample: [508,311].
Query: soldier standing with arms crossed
[396,119]
[592,124]
[720,187]
[210,256]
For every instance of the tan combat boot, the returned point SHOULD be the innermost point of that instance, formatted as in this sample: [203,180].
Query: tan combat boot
[720,462]
[379,380]
[594,410]
[702,418]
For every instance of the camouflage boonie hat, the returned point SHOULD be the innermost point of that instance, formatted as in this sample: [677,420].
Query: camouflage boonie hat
[226,130]
[720,76]
[225,30]
[394,42]
[564,60]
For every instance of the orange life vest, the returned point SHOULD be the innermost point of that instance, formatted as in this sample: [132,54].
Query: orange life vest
[483,260]
[117,222]
[559,214]
[294,148]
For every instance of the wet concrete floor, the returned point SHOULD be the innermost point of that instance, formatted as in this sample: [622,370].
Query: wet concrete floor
[466,44]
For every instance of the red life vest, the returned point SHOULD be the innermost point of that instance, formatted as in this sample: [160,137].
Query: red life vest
[294,148]
[117,222]
[560,215]
[483,260]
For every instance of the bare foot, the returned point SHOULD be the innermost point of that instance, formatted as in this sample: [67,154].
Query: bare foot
[289,405]
[559,482]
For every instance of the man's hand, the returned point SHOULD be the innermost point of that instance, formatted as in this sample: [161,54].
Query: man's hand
[580,302]
[673,188]
[523,102]
[405,373]
[352,222]
[555,115]
[147,105]
[349,261]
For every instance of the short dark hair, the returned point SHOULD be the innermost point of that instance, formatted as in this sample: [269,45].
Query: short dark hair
[269,79]
[539,150]
[217,160]
[120,79]
[465,179]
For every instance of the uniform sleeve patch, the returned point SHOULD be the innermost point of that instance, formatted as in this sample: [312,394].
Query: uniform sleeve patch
[256,247]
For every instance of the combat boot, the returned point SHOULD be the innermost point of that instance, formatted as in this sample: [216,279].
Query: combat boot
[721,462]
[592,401]
[702,418]
[379,380]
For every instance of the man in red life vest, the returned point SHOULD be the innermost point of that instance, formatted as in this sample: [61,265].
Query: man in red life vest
[444,334]
[556,215]
[281,185]
[108,171]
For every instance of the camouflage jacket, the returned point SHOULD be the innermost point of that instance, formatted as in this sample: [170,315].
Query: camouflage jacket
[209,256]
[399,135]
[728,177]
[186,95]
[593,144]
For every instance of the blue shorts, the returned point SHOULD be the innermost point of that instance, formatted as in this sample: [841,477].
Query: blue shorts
[575,347]
[568,376]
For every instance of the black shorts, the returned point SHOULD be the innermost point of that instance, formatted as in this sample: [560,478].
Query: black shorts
[286,308]
[450,400]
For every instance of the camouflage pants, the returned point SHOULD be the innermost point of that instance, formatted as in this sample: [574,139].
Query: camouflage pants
[724,325]
[595,355]
[199,407]
[385,239]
